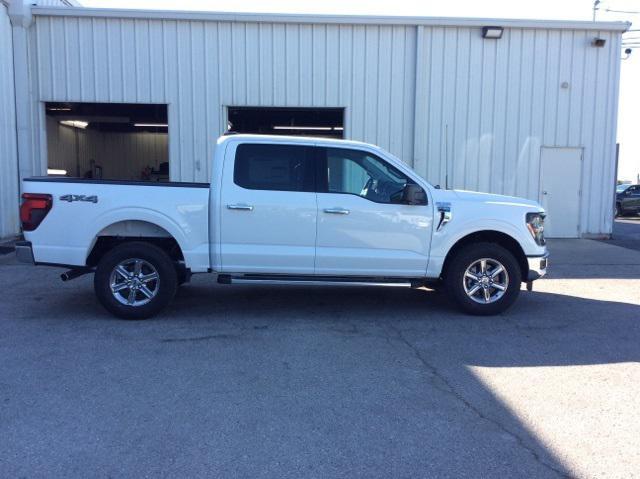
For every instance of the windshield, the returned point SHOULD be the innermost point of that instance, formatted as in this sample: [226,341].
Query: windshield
[394,157]
[621,188]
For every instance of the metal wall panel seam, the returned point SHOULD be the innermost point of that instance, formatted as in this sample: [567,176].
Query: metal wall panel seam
[606,183]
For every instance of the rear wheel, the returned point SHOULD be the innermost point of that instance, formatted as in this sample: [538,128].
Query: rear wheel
[618,210]
[483,279]
[135,280]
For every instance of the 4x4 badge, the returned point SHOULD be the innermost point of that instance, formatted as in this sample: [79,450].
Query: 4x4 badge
[70,198]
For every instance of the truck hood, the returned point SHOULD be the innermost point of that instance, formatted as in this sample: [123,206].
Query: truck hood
[487,198]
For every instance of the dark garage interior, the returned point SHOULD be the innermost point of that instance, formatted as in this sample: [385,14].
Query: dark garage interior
[326,122]
[120,141]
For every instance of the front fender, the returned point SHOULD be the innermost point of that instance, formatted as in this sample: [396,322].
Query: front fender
[453,232]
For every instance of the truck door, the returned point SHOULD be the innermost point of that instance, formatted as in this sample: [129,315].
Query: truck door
[364,228]
[268,209]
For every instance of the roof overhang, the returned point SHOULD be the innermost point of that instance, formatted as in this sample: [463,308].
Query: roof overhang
[328,19]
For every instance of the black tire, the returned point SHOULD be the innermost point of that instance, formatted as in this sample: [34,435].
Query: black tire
[152,256]
[618,211]
[455,277]
[182,276]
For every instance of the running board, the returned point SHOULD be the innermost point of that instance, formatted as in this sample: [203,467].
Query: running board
[316,280]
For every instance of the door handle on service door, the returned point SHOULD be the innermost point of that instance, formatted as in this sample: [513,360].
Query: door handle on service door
[336,211]
[240,207]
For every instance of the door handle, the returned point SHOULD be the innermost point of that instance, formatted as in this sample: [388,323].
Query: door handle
[240,207]
[336,211]
[544,192]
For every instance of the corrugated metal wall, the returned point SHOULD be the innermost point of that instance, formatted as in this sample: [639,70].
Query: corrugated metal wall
[199,67]
[493,104]
[55,3]
[438,97]
[8,154]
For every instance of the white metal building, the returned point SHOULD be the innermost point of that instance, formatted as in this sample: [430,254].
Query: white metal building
[532,113]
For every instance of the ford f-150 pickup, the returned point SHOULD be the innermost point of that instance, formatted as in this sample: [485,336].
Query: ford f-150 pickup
[282,210]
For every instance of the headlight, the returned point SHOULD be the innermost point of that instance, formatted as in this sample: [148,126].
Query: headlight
[535,225]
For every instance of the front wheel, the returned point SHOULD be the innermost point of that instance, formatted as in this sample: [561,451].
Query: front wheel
[135,280]
[483,279]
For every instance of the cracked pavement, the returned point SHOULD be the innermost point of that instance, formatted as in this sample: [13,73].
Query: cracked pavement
[261,381]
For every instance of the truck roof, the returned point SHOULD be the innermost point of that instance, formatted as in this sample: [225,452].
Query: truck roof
[310,140]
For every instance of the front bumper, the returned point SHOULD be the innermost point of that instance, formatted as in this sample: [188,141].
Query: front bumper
[537,266]
[24,252]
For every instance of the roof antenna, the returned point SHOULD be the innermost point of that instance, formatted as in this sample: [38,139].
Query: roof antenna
[446,156]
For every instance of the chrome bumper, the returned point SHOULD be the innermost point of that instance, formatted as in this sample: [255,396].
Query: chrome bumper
[537,266]
[24,252]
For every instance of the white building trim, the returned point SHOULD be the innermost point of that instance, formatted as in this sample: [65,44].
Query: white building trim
[329,19]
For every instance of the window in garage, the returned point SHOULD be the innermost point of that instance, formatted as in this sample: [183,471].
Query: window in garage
[327,122]
[115,141]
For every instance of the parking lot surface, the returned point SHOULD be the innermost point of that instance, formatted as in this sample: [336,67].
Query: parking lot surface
[626,233]
[258,381]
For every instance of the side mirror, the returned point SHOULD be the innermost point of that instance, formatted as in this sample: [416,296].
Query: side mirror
[413,194]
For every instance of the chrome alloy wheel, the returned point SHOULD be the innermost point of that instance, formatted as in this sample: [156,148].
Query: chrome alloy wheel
[134,282]
[485,280]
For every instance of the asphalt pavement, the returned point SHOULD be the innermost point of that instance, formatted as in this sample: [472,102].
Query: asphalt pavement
[262,382]
[626,233]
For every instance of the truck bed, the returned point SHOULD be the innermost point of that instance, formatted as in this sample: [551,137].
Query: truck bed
[92,208]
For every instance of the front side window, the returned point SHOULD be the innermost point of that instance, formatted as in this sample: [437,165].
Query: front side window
[363,174]
[274,167]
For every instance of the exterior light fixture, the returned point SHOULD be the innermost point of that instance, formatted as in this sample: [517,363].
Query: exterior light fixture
[598,42]
[56,172]
[75,123]
[493,33]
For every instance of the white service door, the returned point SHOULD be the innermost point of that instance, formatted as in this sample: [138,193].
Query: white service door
[561,173]
[359,232]
[266,226]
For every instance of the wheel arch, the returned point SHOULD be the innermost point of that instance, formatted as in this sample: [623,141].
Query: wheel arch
[124,231]
[490,236]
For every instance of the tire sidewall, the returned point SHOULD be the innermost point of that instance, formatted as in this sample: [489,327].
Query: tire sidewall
[148,252]
[459,264]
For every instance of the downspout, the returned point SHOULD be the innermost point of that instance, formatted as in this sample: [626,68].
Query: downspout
[21,19]
[13,8]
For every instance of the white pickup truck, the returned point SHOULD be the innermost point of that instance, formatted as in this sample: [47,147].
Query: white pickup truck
[282,210]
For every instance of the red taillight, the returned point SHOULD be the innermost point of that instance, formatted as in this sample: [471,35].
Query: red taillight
[34,208]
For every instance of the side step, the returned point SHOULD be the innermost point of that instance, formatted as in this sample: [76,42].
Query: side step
[275,279]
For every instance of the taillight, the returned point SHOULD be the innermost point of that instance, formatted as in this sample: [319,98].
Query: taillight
[34,208]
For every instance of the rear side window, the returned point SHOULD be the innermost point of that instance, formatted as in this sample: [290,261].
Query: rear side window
[274,167]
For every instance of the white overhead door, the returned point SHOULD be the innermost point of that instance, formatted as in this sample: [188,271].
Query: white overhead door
[560,178]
